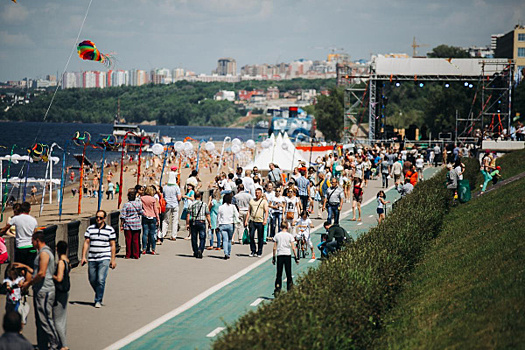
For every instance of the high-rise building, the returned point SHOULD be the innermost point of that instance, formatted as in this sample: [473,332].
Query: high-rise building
[494,41]
[226,66]
[512,45]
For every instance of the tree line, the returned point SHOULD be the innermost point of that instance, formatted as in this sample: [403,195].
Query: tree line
[180,103]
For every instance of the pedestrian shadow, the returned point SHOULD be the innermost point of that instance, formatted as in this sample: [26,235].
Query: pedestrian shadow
[215,256]
[186,256]
[243,255]
[82,303]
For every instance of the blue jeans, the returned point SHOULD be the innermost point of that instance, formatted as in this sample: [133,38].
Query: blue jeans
[149,233]
[275,222]
[97,273]
[218,233]
[227,235]
[198,229]
[333,213]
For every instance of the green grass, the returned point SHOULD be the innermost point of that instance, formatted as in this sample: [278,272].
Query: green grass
[468,292]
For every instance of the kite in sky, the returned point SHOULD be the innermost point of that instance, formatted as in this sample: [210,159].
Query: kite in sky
[88,51]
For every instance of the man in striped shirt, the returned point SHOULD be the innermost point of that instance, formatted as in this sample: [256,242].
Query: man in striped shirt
[100,246]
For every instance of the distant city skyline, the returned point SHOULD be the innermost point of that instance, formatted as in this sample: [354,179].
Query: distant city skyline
[37,37]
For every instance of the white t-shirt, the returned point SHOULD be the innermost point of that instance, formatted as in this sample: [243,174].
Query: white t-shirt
[226,185]
[284,241]
[359,170]
[25,226]
[419,163]
[15,294]
[249,185]
[303,227]
[291,204]
[277,201]
[458,170]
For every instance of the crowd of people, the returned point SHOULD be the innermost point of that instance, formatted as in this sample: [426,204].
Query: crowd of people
[242,207]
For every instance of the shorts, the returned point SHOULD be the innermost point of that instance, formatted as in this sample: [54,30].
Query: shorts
[397,178]
[367,174]
[380,211]
[358,199]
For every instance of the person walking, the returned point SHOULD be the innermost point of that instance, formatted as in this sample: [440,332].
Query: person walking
[172,195]
[62,286]
[226,219]
[150,221]
[100,249]
[333,201]
[196,219]
[283,247]
[257,218]
[130,223]
[213,206]
[303,186]
[43,293]
[242,201]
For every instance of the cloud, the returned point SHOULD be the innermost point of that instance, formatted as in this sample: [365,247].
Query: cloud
[14,13]
[17,40]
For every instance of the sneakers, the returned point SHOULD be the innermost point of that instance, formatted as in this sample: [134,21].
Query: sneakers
[98,305]
[259,255]
[154,253]
[209,248]
[313,256]
[252,254]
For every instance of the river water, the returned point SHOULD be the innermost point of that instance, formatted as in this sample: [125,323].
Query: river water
[24,134]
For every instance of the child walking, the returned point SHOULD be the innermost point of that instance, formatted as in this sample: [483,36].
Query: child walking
[381,205]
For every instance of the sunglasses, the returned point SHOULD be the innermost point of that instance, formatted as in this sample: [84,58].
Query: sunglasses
[100,217]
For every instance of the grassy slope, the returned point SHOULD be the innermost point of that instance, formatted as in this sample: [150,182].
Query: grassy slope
[469,290]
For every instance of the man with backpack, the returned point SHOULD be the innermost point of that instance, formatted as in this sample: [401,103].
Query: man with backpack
[336,237]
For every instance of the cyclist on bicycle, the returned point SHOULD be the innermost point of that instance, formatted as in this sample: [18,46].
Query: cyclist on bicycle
[303,225]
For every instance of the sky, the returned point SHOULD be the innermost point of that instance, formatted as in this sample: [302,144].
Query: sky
[37,37]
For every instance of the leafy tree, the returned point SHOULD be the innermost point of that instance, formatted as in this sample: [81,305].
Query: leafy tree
[445,51]
[329,112]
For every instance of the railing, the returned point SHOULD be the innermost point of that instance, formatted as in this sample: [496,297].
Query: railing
[50,236]
[73,237]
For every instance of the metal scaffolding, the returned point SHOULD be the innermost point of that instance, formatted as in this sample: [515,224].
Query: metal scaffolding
[496,103]
[355,92]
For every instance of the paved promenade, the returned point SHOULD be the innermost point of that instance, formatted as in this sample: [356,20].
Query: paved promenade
[174,301]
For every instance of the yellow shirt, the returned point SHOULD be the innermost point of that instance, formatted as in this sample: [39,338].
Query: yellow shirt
[257,209]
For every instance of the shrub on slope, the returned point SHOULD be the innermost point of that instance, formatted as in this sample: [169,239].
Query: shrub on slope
[341,304]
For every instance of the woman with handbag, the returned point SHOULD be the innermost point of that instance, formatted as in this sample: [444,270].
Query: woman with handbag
[291,209]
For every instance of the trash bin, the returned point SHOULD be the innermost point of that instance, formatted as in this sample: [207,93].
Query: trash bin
[464,191]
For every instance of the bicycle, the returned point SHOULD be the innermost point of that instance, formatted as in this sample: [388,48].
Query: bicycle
[302,247]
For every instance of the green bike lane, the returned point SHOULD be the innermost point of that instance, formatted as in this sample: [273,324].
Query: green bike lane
[196,324]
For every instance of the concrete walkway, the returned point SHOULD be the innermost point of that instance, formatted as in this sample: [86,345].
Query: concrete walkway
[176,301]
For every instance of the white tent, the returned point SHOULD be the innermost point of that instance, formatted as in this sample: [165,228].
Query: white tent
[286,157]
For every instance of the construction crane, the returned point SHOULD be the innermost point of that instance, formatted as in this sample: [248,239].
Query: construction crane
[415,45]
